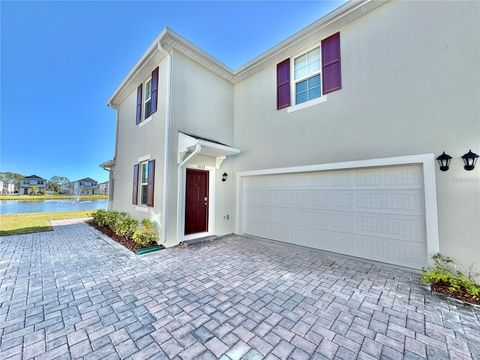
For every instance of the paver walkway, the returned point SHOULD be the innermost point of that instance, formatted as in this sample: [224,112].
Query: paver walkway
[71,294]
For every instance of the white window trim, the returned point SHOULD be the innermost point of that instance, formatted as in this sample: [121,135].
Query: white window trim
[141,183]
[321,99]
[144,105]
[143,120]
[306,104]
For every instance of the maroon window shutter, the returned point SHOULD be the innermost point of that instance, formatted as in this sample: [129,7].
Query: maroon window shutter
[154,89]
[135,185]
[331,68]
[283,84]
[151,182]
[139,104]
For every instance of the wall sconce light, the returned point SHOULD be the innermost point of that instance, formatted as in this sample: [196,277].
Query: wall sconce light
[469,159]
[224,177]
[444,161]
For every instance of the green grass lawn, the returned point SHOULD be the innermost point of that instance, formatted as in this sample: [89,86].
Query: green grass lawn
[51,197]
[15,224]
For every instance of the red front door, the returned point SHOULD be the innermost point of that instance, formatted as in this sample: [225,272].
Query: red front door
[196,202]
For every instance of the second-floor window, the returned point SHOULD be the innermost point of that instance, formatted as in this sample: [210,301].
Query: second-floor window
[310,75]
[148,98]
[306,69]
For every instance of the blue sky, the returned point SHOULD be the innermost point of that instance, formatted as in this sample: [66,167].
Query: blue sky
[61,61]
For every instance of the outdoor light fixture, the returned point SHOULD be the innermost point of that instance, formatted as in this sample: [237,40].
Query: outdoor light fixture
[469,159]
[224,177]
[444,161]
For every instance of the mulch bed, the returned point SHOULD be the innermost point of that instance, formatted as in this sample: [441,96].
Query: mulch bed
[127,242]
[443,288]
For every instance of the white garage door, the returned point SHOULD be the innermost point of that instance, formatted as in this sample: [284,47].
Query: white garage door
[375,213]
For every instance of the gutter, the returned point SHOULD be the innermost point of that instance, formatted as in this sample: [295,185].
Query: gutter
[168,56]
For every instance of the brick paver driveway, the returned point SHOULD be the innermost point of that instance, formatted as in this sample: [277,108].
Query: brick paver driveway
[71,294]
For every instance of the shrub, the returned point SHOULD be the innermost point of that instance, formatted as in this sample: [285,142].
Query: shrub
[443,273]
[111,218]
[100,217]
[146,234]
[124,225]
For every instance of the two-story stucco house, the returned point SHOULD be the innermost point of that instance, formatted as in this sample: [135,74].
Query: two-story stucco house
[85,186]
[327,140]
[103,188]
[7,187]
[32,184]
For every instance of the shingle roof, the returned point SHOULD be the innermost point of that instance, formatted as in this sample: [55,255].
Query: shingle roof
[86,179]
[33,177]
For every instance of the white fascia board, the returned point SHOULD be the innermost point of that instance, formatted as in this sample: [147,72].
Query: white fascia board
[227,150]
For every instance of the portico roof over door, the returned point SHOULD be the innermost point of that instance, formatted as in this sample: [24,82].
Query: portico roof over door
[190,145]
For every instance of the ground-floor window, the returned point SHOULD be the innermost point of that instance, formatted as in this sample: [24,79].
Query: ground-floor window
[144,183]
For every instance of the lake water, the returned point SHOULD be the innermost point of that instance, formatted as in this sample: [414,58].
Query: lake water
[20,207]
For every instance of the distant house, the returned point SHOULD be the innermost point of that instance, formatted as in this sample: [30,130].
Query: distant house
[66,188]
[32,184]
[7,187]
[103,188]
[86,186]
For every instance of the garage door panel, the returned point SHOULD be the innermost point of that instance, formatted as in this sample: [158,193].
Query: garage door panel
[376,213]
[387,201]
[407,228]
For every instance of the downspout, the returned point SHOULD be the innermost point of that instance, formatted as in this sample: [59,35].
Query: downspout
[166,139]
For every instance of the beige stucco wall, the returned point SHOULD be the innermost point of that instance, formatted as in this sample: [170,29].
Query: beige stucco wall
[202,105]
[410,73]
[134,142]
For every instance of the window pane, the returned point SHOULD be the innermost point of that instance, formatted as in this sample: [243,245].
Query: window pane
[313,67]
[148,89]
[314,81]
[148,108]
[300,64]
[144,194]
[301,94]
[301,97]
[301,61]
[307,89]
[314,93]
[144,173]
[307,64]
[301,86]
[313,55]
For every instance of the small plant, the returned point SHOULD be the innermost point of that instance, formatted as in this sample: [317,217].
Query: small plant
[444,275]
[146,234]
[100,217]
[111,218]
[124,225]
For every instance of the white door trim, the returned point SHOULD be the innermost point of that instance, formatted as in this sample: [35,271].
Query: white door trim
[430,190]
[182,175]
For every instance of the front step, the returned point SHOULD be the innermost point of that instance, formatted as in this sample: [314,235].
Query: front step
[200,240]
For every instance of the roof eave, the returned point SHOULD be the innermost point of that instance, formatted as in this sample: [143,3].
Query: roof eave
[350,11]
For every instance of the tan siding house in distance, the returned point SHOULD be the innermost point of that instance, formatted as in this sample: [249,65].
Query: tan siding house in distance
[329,140]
